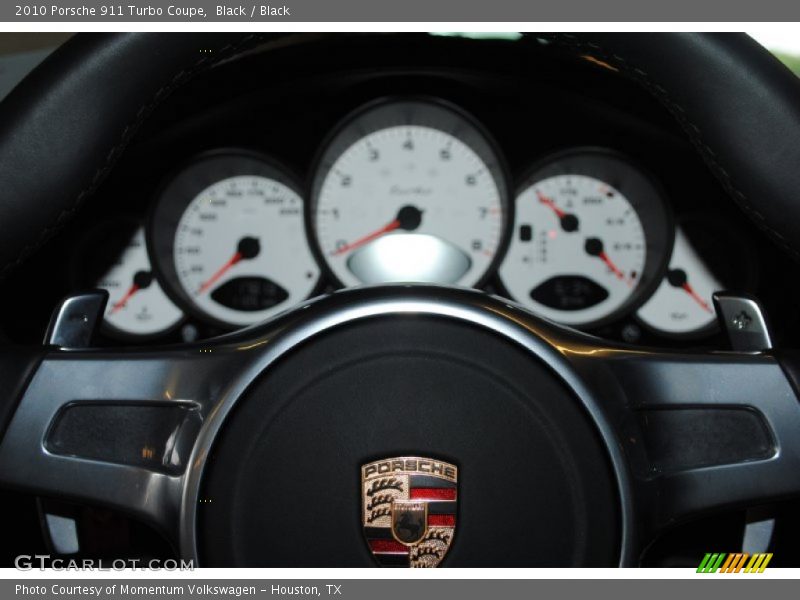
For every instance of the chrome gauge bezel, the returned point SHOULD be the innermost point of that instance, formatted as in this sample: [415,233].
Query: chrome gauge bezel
[181,187]
[641,189]
[392,111]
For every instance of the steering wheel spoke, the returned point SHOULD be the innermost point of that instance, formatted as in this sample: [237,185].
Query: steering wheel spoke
[702,432]
[112,429]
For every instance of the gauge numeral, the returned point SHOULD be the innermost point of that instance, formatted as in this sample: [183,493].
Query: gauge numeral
[445,154]
[346,181]
[477,245]
[373,155]
[408,144]
[471,180]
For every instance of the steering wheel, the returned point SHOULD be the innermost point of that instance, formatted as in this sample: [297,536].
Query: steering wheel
[252,449]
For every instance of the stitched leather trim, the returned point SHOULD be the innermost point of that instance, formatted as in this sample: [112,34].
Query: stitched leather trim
[575,44]
[181,77]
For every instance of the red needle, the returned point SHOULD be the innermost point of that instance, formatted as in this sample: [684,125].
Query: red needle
[550,204]
[696,297]
[614,268]
[222,270]
[367,238]
[594,247]
[124,300]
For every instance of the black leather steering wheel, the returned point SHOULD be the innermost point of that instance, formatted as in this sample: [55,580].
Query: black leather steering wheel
[246,450]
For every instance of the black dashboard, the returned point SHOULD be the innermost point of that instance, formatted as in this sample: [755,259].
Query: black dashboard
[489,163]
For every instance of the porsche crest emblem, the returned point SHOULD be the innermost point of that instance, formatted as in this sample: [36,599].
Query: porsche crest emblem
[409,510]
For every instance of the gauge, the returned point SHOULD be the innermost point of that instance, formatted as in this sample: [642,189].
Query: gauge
[590,241]
[708,256]
[410,191]
[114,258]
[229,239]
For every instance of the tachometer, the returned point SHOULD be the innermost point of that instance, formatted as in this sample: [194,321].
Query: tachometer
[409,191]
[591,238]
[229,239]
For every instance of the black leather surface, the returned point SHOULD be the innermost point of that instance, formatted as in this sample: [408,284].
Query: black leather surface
[63,127]
[739,106]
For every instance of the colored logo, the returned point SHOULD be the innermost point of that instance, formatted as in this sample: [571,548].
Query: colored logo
[409,510]
[740,562]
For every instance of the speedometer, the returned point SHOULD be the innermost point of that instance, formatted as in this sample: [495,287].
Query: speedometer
[229,239]
[591,238]
[410,191]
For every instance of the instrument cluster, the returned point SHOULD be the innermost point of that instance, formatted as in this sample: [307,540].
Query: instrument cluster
[407,190]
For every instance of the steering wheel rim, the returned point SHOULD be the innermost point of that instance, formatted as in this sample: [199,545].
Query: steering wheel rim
[614,384]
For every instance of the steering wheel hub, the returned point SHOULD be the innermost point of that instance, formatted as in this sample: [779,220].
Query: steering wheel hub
[283,485]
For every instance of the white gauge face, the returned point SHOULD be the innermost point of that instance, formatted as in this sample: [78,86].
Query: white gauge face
[137,305]
[578,249]
[240,250]
[682,304]
[410,203]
